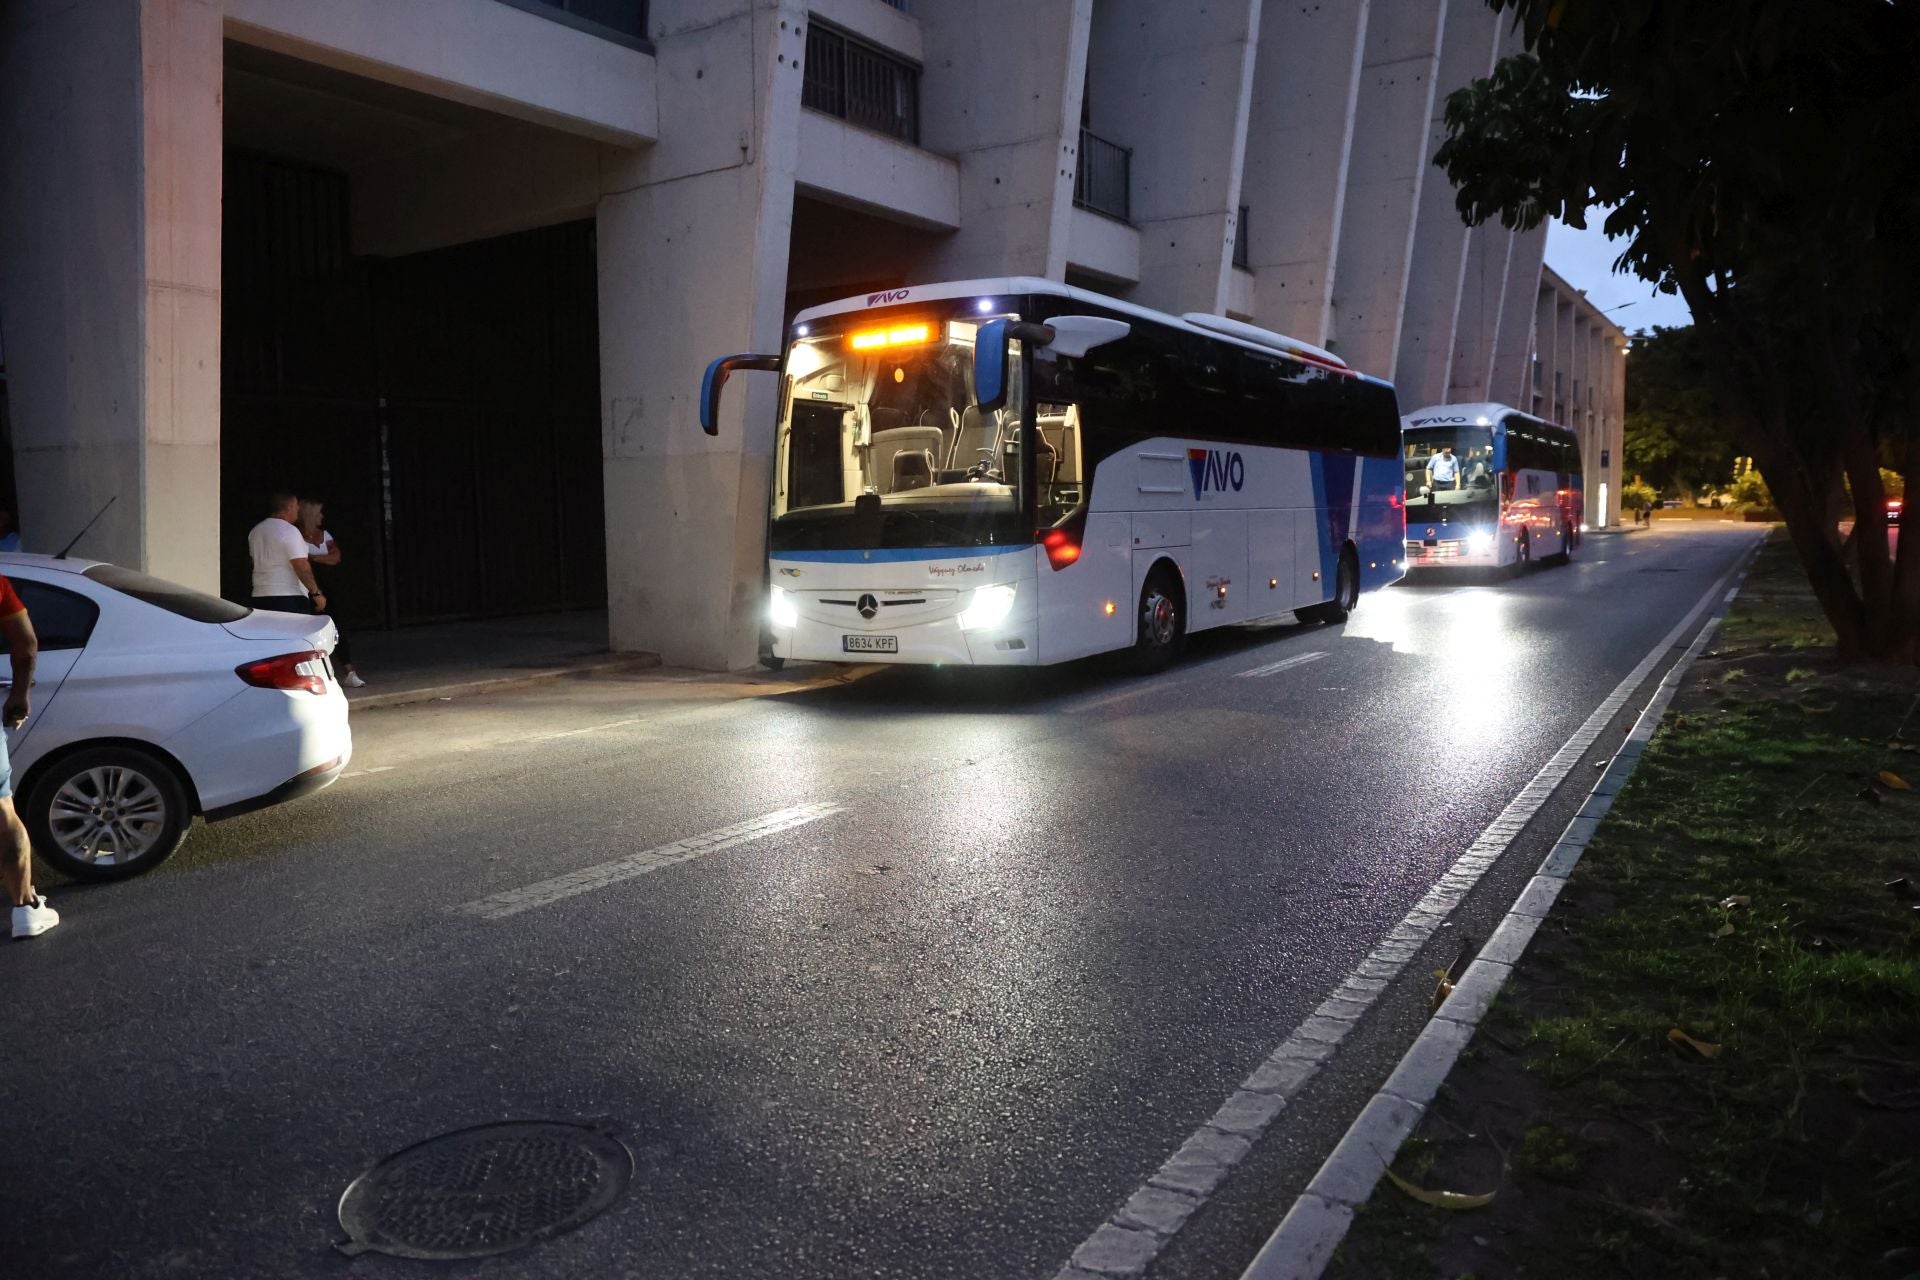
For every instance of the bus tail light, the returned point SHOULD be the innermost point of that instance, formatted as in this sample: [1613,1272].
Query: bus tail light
[1062,541]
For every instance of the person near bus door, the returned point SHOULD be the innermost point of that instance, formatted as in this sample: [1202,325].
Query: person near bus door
[31,914]
[1443,469]
[323,550]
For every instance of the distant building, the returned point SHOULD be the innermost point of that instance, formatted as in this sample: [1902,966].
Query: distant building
[456,265]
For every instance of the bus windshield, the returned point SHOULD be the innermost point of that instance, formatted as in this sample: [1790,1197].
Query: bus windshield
[1451,467]
[882,442]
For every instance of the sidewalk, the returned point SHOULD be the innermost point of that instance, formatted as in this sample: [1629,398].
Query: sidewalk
[444,660]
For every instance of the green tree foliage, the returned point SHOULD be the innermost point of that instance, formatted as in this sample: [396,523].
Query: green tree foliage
[1762,160]
[1635,494]
[1750,490]
[1677,436]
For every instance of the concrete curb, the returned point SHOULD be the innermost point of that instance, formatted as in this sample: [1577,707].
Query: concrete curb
[490,684]
[1303,1244]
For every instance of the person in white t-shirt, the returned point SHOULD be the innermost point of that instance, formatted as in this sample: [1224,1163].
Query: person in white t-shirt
[283,579]
[323,550]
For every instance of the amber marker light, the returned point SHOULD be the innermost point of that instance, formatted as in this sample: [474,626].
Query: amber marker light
[1110,607]
[902,335]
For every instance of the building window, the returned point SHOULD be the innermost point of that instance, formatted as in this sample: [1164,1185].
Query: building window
[861,83]
[1240,258]
[622,21]
[1104,180]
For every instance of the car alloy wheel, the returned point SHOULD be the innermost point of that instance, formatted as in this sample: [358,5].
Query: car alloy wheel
[107,813]
[109,816]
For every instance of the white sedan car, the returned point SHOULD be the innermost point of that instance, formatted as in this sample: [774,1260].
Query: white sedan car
[154,702]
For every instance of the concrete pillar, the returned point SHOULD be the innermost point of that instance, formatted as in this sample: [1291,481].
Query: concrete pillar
[1016,133]
[1513,345]
[1613,383]
[1299,134]
[1483,290]
[1435,279]
[693,238]
[1390,162]
[1173,82]
[1563,358]
[110,178]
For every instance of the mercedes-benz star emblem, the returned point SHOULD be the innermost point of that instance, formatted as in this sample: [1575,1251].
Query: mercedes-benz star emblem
[1429,533]
[868,606]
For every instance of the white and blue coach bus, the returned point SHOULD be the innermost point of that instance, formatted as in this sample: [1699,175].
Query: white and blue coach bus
[1015,472]
[1514,491]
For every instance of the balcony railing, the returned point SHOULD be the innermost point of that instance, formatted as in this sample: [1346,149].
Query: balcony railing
[622,21]
[1104,180]
[1240,258]
[861,83]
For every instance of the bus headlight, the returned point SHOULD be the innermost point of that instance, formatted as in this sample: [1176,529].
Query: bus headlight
[1480,541]
[989,607]
[780,610]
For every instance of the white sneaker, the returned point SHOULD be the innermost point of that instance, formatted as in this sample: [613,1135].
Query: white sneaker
[353,681]
[34,918]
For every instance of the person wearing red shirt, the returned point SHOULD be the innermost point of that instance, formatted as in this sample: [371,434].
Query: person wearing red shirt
[31,914]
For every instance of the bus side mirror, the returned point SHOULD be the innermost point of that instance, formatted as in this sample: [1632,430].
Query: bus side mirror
[990,357]
[990,365]
[716,378]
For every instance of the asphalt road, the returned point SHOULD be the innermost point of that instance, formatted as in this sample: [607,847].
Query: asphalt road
[1041,928]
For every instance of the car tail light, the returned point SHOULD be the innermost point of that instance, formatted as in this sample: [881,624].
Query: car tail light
[291,671]
[1062,542]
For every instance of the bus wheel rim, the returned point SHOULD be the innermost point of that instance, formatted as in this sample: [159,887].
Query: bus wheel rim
[1160,619]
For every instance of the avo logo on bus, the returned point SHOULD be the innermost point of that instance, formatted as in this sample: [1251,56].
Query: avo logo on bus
[891,295]
[1216,469]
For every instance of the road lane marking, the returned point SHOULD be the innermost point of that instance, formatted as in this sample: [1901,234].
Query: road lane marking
[574,733]
[1302,1245]
[1300,659]
[1135,1233]
[361,773]
[513,901]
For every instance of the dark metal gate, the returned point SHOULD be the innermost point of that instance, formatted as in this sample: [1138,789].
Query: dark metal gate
[444,405]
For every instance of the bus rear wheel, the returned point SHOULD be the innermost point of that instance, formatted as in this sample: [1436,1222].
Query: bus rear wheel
[1346,593]
[1162,627]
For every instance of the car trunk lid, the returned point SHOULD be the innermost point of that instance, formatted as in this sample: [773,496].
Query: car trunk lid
[309,630]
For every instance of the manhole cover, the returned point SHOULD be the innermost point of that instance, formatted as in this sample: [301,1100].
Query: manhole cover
[485,1190]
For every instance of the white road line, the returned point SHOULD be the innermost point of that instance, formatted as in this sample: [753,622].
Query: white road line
[1302,1245]
[361,773]
[501,905]
[1298,660]
[1136,1232]
[574,733]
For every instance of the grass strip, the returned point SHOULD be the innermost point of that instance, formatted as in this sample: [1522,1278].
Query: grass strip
[1757,887]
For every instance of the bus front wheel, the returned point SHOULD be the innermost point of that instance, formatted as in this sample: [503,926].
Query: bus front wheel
[1522,554]
[1565,554]
[1162,628]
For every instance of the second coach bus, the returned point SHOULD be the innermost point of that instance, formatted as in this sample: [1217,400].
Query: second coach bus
[1016,472]
[1491,487]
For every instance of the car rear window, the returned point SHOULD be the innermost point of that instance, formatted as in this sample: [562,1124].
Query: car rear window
[171,596]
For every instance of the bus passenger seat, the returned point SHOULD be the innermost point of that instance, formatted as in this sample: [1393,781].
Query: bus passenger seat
[912,469]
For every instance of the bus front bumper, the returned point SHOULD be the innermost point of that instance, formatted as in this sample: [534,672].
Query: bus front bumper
[1011,642]
[1453,553]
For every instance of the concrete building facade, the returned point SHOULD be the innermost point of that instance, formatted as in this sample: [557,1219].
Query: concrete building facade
[459,263]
